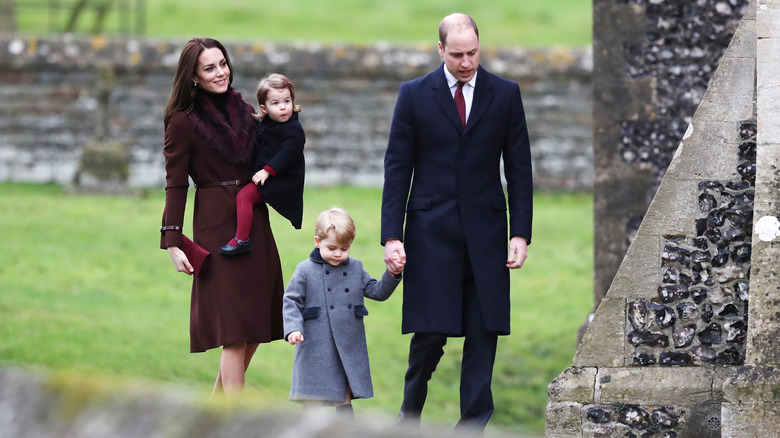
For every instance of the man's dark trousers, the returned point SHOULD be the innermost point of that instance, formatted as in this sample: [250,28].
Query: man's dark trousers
[479,353]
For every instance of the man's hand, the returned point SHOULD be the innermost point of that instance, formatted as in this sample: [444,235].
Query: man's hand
[395,256]
[518,252]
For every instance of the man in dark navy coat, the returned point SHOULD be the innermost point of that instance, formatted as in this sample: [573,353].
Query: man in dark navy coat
[442,175]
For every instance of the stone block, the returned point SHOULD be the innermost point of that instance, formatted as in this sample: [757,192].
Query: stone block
[573,385]
[640,271]
[764,310]
[730,96]
[750,420]
[768,84]
[654,386]
[743,43]
[768,19]
[767,192]
[750,12]
[753,384]
[604,344]
[563,420]
[673,210]
[710,152]
[608,430]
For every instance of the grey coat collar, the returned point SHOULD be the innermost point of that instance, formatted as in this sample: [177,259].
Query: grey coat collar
[316,257]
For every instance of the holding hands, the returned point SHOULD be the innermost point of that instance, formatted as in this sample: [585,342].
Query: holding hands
[395,256]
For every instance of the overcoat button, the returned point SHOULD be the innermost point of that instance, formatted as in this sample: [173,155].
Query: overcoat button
[331,307]
[345,274]
[328,289]
[346,290]
[327,272]
[349,306]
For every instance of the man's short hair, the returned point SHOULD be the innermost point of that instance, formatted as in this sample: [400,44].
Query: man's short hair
[455,20]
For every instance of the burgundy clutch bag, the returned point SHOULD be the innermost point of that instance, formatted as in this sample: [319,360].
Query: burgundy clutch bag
[195,254]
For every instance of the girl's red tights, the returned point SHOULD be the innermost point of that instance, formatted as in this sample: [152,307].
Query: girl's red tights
[245,200]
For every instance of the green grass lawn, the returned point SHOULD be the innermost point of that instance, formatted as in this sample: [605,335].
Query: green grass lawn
[84,288]
[502,23]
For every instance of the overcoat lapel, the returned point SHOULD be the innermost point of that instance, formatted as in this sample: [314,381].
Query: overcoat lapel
[483,95]
[442,96]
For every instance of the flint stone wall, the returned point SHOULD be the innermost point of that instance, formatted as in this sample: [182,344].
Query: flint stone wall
[49,106]
[684,343]
[653,61]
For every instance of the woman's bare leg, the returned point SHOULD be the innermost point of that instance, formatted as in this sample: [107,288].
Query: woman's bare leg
[233,364]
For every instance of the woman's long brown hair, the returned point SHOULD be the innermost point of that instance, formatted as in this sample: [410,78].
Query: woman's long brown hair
[183,93]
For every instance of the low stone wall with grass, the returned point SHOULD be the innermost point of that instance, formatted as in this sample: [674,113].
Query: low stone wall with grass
[46,405]
[58,94]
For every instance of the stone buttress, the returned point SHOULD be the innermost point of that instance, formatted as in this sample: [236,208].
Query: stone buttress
[682,344]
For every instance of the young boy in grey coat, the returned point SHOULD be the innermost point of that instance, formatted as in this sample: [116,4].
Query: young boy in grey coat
[323,317]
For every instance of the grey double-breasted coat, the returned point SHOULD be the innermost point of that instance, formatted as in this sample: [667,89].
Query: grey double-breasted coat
[325,303]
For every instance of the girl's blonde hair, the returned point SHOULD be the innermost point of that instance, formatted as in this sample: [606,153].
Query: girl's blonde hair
[274,81]
[337,221]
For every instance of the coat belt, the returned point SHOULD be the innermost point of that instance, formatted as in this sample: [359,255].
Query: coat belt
[235,182]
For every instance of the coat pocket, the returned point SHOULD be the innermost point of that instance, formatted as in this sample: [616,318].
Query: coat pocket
[418,203]
[310,313]
[360,311]
[498,202]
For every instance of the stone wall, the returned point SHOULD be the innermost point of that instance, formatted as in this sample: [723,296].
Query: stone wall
[684,342]
[653,60]
[43,405]
[49,104]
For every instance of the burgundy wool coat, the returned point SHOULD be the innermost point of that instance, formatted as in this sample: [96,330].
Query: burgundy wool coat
[234,298]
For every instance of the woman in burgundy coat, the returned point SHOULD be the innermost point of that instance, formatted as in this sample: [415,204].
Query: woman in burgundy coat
[209,134]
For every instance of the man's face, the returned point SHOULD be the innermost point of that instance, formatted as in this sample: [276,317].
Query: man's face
[461,53]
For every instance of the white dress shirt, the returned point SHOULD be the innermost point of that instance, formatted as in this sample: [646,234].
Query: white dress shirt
[468,89]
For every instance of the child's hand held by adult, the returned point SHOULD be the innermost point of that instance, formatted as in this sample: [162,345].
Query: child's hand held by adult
[398,264]
[395,256]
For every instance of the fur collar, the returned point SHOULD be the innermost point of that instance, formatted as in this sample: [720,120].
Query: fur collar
[231,139]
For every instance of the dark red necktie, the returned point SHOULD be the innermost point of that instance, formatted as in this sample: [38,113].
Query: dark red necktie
[460,103]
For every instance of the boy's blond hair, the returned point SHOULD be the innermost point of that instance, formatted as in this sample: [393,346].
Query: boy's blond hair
[337,222]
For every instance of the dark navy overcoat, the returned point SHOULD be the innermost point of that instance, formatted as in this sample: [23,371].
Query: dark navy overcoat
[444,181]
[280,146]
